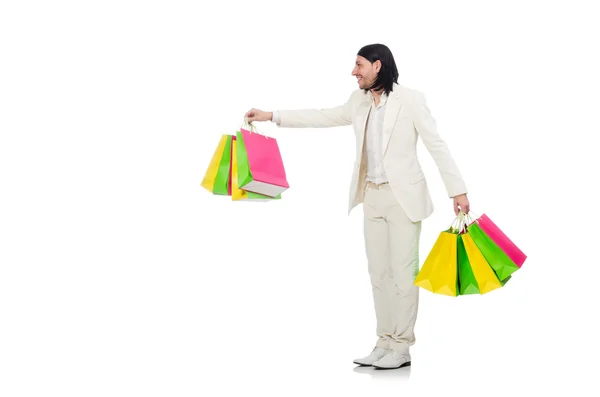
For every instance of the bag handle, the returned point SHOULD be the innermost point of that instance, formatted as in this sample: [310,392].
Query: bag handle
[474,214]
[463,222]
[252,128]
[458,224]
[451,225]
[471,219]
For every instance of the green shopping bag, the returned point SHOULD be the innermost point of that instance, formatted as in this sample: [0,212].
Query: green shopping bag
[467,283]
[501,263]
[222,179]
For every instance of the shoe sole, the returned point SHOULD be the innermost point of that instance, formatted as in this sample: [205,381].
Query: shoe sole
[406,364]
[363,365]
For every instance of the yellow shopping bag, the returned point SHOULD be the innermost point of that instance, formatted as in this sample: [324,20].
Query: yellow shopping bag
[217,175]
[483,272]
[439,271]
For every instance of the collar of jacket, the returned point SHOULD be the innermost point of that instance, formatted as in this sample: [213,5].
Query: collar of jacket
[395,93]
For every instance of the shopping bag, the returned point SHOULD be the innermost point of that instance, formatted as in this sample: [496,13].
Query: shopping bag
[231,162]
[484,274]
[260,166]
[439,271]
[216,178]
[501,239]
[236,192]
[503,266]
[467,283]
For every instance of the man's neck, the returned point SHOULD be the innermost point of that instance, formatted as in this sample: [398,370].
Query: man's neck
[376,96]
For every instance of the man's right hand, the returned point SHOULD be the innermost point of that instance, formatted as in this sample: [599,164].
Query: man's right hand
[258,115]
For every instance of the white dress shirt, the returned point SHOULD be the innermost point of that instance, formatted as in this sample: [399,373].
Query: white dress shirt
[374,135]
[375,171]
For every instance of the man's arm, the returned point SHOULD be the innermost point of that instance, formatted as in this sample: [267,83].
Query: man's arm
[308,118]
[427,129]
[318,118]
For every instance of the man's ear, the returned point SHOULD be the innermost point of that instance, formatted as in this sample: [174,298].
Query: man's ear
[377,65]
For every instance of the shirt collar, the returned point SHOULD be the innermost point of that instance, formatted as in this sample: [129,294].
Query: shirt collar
[382,100]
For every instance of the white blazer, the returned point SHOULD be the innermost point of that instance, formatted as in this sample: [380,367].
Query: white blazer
[406,118]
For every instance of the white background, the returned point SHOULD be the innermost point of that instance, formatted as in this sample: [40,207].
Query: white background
[121,276]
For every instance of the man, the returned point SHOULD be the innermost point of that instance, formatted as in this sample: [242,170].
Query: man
[387,119]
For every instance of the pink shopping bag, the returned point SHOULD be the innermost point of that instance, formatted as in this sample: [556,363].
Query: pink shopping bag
[265,173]
[501,239]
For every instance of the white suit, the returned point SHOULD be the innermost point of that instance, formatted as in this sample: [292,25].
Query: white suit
[393,212]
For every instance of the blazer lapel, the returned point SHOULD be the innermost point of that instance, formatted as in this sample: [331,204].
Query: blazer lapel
[392,107]
[363,111]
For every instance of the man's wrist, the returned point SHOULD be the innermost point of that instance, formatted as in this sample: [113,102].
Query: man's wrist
[275,117]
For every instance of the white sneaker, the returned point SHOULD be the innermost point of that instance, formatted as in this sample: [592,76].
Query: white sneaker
[394,359]
[375,355]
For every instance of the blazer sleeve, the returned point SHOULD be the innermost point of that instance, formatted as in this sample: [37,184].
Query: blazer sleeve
[318,118]
[426,127]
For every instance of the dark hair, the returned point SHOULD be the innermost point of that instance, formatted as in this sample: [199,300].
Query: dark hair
[388,74]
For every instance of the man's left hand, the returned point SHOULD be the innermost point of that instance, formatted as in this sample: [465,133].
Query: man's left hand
[461,203]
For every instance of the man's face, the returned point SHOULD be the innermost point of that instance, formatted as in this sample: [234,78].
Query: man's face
[365,72]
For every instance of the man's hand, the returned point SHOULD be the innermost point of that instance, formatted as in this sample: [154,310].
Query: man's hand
[463,202]
[258,115]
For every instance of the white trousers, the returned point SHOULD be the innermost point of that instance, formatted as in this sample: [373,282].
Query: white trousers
[392,247]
